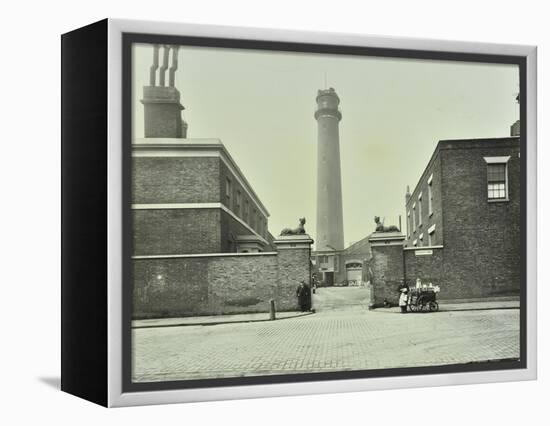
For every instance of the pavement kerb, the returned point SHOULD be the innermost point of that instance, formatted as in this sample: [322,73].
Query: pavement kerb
[456,307]
[207,323]
[396,310]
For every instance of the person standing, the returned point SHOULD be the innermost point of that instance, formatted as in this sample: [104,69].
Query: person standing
[403,300]
[304,296]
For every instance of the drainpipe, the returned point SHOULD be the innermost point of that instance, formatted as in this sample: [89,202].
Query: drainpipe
[404,268]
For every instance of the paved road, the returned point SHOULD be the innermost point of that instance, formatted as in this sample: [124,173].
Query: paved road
[338,298]
[331,340]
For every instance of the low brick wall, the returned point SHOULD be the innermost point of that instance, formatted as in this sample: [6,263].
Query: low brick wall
[464,276]
[221,284]
[459,277]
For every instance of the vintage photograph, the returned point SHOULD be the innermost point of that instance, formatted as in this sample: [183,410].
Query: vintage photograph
[302,212]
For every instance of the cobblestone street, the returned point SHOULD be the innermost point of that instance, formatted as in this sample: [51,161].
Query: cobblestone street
[350,338]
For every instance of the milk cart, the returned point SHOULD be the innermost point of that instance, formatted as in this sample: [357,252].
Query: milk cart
[423,299]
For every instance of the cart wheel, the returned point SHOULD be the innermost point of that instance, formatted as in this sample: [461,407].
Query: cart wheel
[434,306]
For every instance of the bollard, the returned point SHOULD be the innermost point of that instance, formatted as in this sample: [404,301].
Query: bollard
[271,309]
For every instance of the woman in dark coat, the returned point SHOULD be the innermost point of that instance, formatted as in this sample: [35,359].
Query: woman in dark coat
[304,296]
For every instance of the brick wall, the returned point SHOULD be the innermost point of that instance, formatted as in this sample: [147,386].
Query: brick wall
[429,268]
[230,229]
[294,266]
[255,217]
[386,265]
[176,231]
[213,285]
[164,287]
[433,169]
[204,285]
[175,180]
[482,239]
[162,120]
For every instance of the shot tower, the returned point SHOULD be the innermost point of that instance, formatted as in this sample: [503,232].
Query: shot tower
[330,223]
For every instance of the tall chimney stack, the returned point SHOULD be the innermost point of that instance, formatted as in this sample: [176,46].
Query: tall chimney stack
[161,103]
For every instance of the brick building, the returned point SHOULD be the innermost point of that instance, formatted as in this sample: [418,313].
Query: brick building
[189,196]
[201,244]
[463,219]
[343,267]
[200,240]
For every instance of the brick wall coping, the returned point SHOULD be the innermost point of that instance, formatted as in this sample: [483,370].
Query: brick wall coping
[295,237]
[386,238]
[176,147]
[176,206]
[178,256]
[171,142]
[299,241]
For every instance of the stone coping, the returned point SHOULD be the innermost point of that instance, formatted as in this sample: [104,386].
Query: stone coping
[179,142]
[295,237]
[383,236]
[178,256]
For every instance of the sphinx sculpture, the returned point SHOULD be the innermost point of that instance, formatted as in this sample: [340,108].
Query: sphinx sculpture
[296,231]
[381,228]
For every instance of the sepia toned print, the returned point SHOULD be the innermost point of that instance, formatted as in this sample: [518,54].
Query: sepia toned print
[309,213]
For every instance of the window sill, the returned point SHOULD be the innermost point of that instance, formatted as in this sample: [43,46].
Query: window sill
[498,200]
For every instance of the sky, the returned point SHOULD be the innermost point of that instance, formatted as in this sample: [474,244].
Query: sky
[260,104]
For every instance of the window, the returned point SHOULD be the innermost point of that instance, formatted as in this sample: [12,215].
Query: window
[421,240]
[228,192]
[408,224]
[253,221]
[431,233]
[430,195]
[496,181]
[414,217]
[420,210]
[246,210]
[238,203]
[497,178]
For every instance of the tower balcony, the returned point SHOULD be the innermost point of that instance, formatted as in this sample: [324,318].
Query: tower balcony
[331,112]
